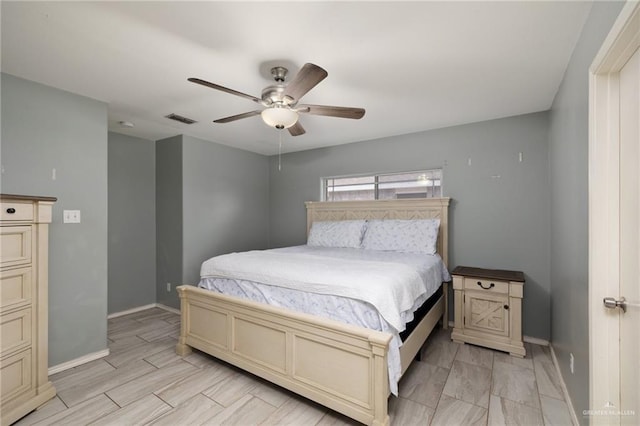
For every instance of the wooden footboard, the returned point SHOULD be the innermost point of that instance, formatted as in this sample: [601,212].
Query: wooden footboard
[340,366]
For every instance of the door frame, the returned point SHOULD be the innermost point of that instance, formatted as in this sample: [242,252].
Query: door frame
[604,225]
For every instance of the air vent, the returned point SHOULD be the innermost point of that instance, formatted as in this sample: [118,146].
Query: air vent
[180,118]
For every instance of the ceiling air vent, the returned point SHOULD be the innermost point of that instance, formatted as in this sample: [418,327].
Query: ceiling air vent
[180,118]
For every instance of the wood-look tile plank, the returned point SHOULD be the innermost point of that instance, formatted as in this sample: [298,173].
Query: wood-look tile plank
[139,412]
[548,380]
[152,382]
[164,357]
[194,383]
[505,412]
[101,383]
[441,351]
[295,411]
[526,362]
[515,383]
[80,375]
[475,355]
[139,351]
[230,389]
[270,393]
[82,414]
[470,383]
[136,328]
[423,383]
[248,410]
[451,411]
[555,411]
[405,412]
[333,418]
[175,319]
[195,411]
[160,332]
[124,344]
[53,406]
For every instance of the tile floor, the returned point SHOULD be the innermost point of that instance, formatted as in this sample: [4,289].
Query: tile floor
[143,381]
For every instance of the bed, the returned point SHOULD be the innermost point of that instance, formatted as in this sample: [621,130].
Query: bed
[342,366]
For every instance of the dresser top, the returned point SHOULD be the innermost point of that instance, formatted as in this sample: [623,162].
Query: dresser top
[492,274]
[26,197]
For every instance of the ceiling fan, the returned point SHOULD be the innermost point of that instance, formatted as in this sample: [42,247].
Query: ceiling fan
[281,100]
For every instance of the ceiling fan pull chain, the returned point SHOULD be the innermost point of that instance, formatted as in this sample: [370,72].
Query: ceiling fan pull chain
[280,150]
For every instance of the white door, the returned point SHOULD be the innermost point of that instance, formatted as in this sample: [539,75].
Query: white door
[614,225]
[630,241]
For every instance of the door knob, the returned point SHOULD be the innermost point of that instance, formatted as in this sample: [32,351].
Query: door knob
[612,303]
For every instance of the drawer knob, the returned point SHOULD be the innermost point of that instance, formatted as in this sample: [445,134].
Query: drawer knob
[11,210]
[486,288]
[506,307]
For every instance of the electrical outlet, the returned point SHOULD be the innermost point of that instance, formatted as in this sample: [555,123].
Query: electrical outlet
[571,362]
[168,287]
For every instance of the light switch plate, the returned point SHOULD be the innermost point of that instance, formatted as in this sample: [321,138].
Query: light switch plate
[71,216]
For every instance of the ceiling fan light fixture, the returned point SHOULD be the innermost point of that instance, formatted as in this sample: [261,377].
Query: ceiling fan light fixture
[279,117]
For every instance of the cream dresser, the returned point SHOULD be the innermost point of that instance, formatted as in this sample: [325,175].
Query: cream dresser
[24,242]
[488,308]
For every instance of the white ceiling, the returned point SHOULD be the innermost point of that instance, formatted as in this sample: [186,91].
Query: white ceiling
[413,66]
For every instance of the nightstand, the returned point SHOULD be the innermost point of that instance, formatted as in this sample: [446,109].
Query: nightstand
[488,308]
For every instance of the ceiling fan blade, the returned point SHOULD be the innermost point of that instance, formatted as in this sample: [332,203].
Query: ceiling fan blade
[297,129]
[224,89]
[237,117]
[332,111]
[305,80]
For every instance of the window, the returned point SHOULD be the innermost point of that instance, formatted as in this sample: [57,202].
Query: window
[421,184]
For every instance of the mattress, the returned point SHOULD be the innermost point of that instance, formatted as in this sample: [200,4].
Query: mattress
[322,301]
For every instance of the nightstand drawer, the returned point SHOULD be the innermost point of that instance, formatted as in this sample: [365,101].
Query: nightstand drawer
[491,286]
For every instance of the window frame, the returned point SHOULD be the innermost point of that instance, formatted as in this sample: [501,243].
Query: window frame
[376,181]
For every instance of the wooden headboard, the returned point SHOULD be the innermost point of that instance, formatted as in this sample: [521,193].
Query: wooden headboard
[422,208]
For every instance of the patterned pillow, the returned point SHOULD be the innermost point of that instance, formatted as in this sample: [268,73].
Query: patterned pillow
[410,236]
[344,233]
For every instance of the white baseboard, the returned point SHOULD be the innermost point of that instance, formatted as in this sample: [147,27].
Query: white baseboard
[535,341]
[101,354]
[565,392]
[78,361]
[168,308]
[132,311]
[143,308]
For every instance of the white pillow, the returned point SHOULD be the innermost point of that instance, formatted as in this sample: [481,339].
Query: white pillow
[410,236]
[343,233]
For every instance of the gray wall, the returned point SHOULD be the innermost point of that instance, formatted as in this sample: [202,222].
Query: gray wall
[132,222]
[211,199]
[568,153]
[169,221]
[45,128]
[500,223]
[226,202]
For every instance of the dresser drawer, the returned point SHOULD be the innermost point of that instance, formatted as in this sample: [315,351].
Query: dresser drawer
[15,210]
[16,287]
[491,286]
[15,331]
[15,245]
[15,375]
